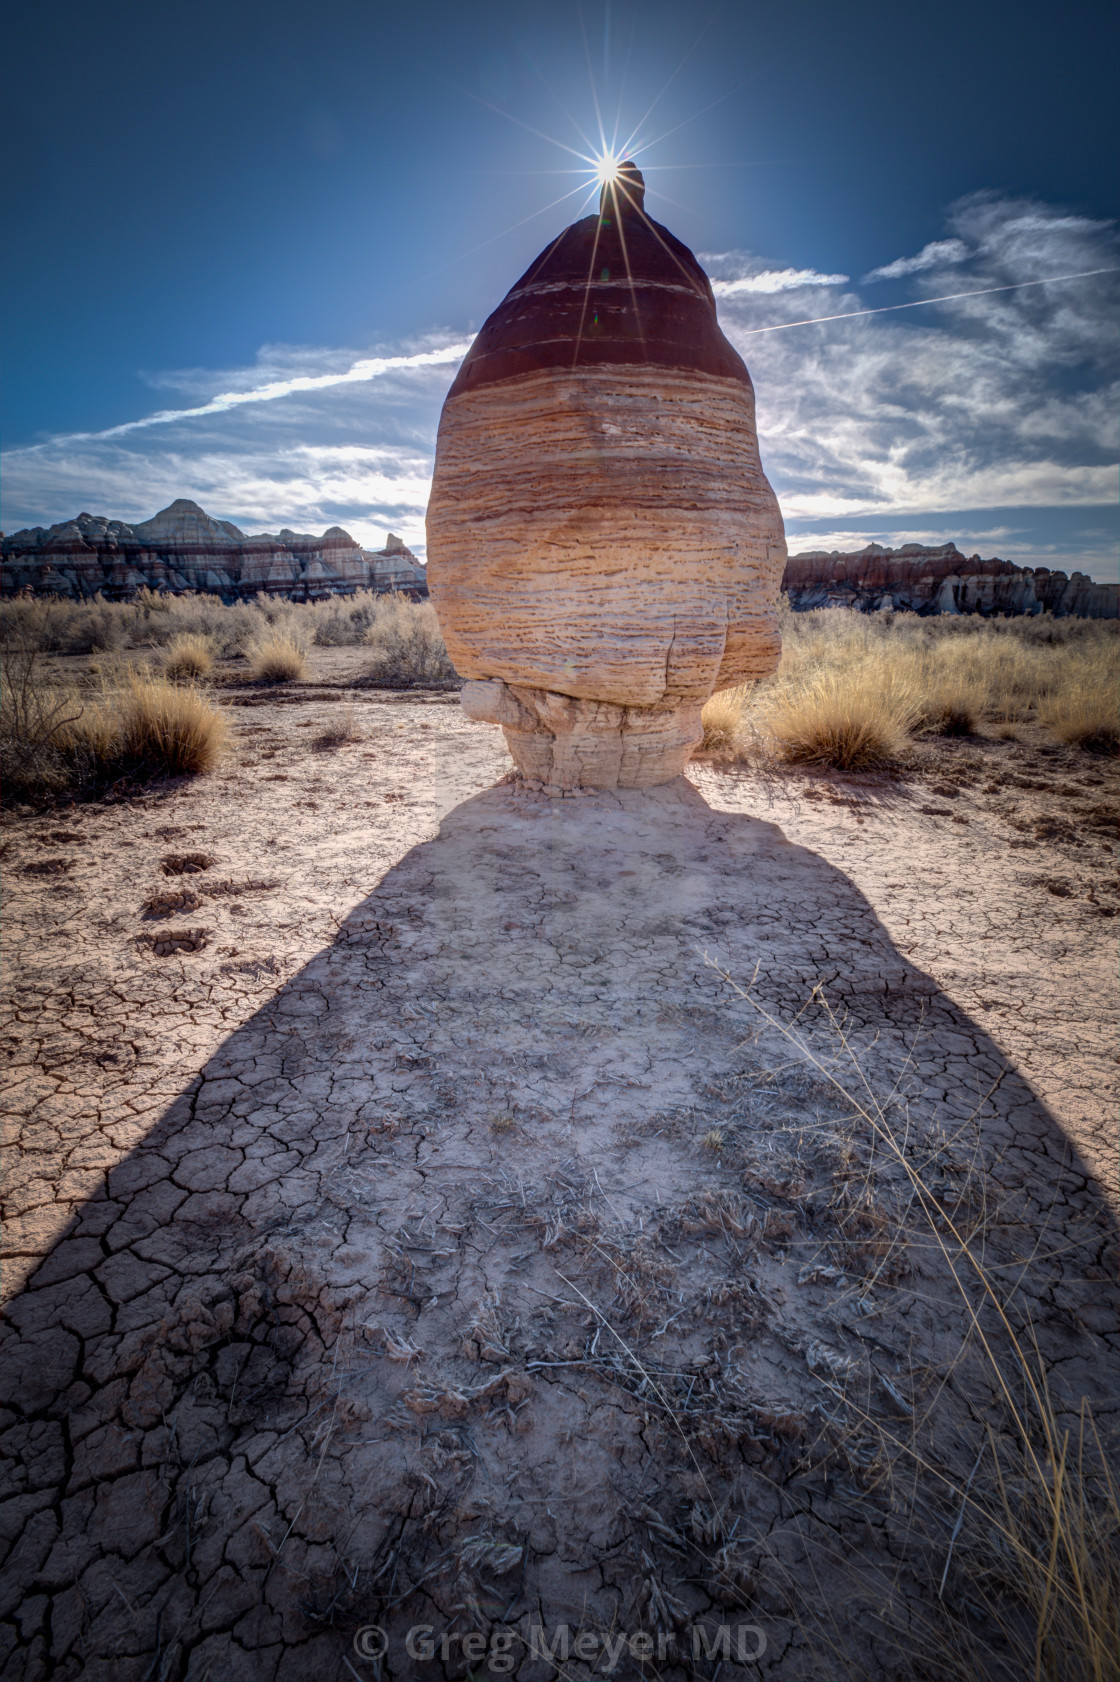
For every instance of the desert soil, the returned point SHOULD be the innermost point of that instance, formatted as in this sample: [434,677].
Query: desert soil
[412,1225]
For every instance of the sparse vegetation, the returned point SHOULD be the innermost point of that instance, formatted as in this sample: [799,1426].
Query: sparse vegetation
[342,728]
[56,738]
[853,689]
[184,636]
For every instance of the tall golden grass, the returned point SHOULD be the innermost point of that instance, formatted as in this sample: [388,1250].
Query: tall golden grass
[1084,712]
[1037,1537]
[856,718]
[853,689]
[168,729]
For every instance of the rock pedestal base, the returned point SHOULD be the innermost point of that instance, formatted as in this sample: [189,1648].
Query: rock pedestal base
[564,742]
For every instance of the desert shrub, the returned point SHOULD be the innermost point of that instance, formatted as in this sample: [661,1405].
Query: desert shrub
[188,655]
[34,720]
[228,628]
[406,645]
[151,620]
[343,621]
[277,656]
[35,624]
[53,626]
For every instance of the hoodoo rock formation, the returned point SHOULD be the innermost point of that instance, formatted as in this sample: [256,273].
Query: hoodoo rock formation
[183,549]
[604,548]
[924,580]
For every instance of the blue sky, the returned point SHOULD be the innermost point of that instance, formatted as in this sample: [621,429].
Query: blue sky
[304,211]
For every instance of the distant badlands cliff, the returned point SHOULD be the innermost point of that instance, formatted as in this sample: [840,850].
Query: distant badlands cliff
[183,549]
[941,581]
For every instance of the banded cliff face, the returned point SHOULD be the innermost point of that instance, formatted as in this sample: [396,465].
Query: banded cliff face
[182,548]
[926,580]
[604,548]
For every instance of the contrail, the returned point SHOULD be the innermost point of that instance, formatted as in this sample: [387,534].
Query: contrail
[919,303]
[369,368]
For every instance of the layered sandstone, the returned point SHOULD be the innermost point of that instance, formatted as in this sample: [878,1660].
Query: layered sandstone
[604,548]
[183,549]
[941,580]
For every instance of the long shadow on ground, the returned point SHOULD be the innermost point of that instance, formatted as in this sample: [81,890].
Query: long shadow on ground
[370,1328]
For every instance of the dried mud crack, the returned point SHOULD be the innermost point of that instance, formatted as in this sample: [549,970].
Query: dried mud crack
[444,1243]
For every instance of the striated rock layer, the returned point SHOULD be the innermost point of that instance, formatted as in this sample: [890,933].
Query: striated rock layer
[183,549]
[942,580]
[604,548]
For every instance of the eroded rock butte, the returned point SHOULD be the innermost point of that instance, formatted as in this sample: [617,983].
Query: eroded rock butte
[604,548]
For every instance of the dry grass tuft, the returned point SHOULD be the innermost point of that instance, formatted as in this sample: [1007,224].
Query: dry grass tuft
[847,718]
[343,728]
[1035,1545]
[172,731]
[188,655]
[1049,1536]
[278,656]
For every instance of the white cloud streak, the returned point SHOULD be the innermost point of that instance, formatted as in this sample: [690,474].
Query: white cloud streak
[367,368]
[939,253]
[776,280]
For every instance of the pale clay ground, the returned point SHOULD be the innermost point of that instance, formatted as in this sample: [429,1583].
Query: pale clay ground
[426,1247]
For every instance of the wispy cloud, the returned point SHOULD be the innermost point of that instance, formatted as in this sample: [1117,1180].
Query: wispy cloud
[998,399]
[775,280]
[366,368]
[939,253]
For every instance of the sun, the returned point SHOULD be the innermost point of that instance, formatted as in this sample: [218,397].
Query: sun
[606,168]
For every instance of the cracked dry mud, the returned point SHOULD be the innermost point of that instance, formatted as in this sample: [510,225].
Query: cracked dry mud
[436,1238]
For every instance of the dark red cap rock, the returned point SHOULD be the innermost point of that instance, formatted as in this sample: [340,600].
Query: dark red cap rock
[616,287]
